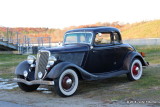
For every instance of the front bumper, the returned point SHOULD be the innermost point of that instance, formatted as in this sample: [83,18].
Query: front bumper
[34,82]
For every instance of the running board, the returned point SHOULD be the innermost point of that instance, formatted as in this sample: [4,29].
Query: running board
[95,76]
[108,74]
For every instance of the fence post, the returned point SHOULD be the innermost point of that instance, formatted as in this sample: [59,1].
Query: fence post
[19,46]
[25,40]
[49,41]
[38,39]
[18,43]
[7,33]
[17,38]
[10,39]
[42,41]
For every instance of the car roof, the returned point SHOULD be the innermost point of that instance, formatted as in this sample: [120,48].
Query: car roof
[95,29]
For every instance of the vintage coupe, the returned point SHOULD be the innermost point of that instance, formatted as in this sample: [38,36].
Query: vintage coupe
[87,54]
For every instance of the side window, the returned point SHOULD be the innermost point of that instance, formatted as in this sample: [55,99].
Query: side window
[103,38]
[116,38]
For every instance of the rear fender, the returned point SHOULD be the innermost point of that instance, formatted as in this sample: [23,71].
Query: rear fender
[129,58]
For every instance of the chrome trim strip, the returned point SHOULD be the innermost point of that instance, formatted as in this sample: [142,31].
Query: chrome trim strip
[44,74]
[34,82]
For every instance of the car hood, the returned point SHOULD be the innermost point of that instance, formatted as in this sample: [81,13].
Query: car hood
[69,48]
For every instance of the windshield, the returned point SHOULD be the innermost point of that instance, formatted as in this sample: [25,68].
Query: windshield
[71,38]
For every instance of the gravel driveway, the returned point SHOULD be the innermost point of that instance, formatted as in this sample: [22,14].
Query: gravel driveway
[11,96]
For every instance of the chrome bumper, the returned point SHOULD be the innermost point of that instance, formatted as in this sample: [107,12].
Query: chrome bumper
[34,82]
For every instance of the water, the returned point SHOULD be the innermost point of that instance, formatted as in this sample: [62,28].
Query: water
[44,90]
[6,84]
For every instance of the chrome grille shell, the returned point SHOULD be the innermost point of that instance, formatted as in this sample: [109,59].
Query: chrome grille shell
[41,62]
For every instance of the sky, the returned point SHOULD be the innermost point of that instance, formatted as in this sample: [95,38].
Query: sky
[65,13]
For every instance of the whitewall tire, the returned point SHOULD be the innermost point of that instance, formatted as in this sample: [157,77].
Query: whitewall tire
[136,70]
[67,84]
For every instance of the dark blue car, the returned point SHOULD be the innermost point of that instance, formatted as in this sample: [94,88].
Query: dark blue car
[87,54]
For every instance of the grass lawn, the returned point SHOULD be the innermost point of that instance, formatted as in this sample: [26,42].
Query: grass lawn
[152,53]
[8,63]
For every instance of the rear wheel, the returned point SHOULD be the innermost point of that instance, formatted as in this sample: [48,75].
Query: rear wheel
[135,70]
[66,85]
[27,88]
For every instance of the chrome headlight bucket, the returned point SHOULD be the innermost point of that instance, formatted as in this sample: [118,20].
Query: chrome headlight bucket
[51,60]
[31,59]
[25,73]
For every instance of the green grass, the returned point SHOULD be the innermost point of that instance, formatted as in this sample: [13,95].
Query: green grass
[9,58]
[152,53]
[7,75]
[8,63]
[150,78]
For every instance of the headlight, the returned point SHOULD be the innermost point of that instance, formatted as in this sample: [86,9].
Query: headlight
[31,59]
[25,73]
[40,75]
[51,60]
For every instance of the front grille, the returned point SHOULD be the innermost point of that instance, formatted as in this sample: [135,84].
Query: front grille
[41,62]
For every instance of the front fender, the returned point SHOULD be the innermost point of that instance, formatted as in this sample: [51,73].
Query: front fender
[130,57]
[57,70]
[22,67]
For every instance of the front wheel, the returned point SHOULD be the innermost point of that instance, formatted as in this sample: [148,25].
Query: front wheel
[27,88]
[135,70]
[67,84]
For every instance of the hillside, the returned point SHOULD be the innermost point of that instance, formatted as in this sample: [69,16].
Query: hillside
[149,29]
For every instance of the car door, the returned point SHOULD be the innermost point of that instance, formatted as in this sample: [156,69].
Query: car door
[101,56]
[120,51]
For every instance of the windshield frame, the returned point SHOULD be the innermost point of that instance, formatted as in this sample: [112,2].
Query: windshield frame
[64,38]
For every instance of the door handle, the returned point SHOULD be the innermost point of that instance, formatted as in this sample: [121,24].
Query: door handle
[94,51]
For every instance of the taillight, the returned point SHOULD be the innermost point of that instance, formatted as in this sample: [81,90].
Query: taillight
[142,53]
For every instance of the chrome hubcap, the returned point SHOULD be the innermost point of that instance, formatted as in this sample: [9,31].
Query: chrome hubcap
[137,68]
[69,81]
